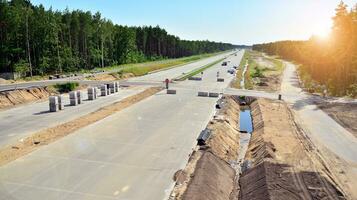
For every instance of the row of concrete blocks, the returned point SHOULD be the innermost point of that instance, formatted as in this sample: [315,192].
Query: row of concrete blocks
[200,79]
[200,94]
[208,94]
[75,97]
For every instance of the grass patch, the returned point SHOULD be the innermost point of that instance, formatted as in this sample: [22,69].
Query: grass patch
[256,70]
[238,79]
[139,69]
[199,70]
[66,87]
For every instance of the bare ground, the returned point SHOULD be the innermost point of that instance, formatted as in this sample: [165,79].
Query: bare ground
[343,113]
[271,79]
[283,164]
[110,76]
[12,98]
[46,136]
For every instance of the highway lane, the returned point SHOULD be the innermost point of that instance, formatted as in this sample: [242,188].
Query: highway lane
[149,79]
[33,117]
[132,154]
[24,120]
[176,72]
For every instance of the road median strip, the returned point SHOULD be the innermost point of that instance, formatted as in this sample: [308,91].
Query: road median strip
[197,71]
[49,135]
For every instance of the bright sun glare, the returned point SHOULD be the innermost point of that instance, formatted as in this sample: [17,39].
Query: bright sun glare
[322,33]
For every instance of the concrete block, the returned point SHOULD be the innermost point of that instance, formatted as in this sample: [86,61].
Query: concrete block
[91,94]
[117,86]
[60,102]
[73,102]
[79,97]
[53,103]
[203,94]
[213,94]
[103,90]
[73,95]
[195,78]
[220,79]
[90,90]
[171,91]
[112,87]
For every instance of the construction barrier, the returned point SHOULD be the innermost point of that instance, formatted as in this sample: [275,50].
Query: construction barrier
[220,79]
[192,78]
[203,94]
[73,98]
[213,94]
[171,91]
[53,103]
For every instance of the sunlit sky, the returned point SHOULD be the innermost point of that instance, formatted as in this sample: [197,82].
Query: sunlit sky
[234,21]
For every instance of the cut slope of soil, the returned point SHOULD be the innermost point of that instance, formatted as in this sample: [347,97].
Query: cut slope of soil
[15,97]
[213,179]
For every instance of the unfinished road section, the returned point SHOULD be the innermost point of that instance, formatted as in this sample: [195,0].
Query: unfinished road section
[132,154]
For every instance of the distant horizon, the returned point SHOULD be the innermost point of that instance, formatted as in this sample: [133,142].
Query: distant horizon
[239,23]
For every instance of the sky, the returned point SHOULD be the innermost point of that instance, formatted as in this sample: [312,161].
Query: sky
[233,21]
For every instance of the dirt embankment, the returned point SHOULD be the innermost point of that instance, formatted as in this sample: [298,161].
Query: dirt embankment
[209,174]
[281,162]
[343,113]
[15,97]
[110,76]
[46,136]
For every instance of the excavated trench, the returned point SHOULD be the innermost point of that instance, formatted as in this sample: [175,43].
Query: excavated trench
[253,151]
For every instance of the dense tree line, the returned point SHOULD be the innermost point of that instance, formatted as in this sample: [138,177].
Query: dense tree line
[35,41]
[331,63]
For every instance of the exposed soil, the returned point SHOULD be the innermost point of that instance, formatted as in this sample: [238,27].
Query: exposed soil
[12,98]
[110,76]
[270,82]
[4,81]
[343,113]
[271,79]
[282,162]
[103,77]
[209,173]
[213,179]
[46,136]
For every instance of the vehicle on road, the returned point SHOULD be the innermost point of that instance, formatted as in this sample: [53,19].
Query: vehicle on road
[231,71]
[224,64]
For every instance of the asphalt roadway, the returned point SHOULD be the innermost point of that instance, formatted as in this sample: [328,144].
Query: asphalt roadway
[132,154]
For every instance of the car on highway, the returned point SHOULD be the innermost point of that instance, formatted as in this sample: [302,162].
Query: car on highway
[224,64]
[231,71]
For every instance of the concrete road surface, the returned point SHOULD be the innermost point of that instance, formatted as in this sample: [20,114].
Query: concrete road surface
[132,154]
[24,120]
[143,80]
